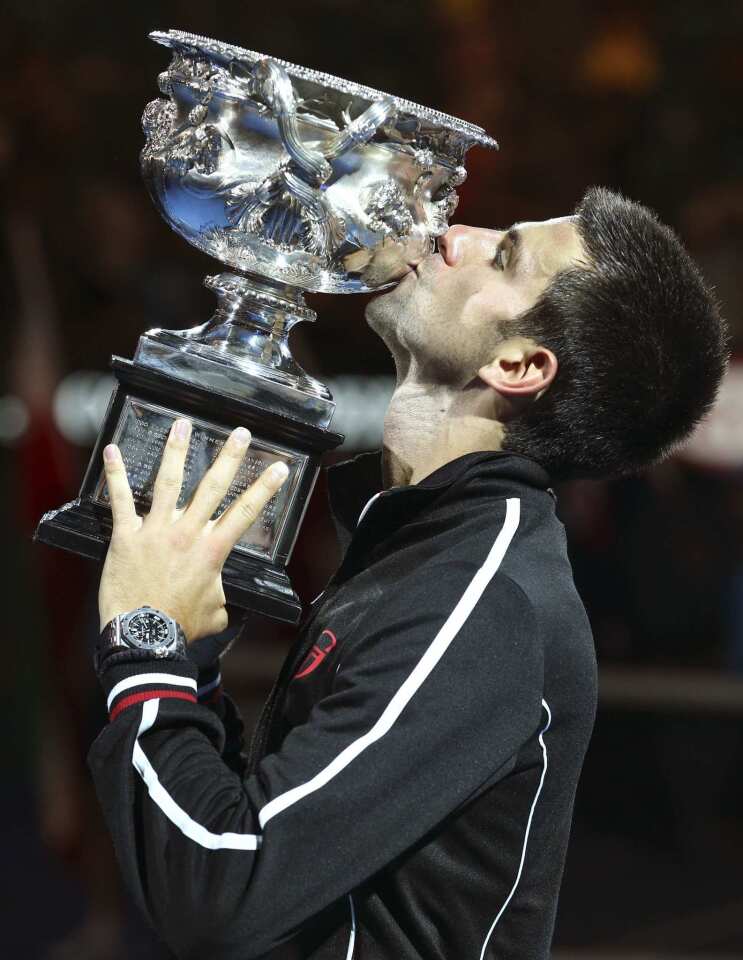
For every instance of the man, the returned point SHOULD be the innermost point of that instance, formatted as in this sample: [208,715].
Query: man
[412,778]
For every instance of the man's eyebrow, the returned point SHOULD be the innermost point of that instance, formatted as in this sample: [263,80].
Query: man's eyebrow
[513,234]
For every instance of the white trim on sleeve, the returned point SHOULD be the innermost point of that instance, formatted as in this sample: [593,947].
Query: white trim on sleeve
[177,816]
[143,679]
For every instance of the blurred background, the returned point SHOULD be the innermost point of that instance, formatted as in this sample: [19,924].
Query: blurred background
[641,96]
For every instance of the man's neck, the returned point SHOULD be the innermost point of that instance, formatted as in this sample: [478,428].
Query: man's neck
[428,425]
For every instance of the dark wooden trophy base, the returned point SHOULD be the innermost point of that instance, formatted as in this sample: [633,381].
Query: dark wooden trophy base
[254,575]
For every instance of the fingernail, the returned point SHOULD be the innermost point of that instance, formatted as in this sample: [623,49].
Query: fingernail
[280,470]
[111,452]
[182,428]
[241,437]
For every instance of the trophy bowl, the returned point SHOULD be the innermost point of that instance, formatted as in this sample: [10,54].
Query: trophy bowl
[298,176]
[297,181]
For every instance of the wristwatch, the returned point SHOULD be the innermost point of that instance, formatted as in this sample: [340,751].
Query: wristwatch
[141,634]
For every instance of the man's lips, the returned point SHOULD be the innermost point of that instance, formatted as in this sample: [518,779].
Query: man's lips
[404,273]
[411,270]
[432,258]
[413,267]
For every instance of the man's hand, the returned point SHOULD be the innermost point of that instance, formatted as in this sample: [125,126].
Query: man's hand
[172,559]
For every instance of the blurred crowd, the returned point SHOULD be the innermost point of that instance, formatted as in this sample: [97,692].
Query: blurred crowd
[643,97]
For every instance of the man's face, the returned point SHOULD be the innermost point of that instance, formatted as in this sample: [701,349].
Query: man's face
[448,311]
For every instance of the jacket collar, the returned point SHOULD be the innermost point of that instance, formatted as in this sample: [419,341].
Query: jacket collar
[353,483]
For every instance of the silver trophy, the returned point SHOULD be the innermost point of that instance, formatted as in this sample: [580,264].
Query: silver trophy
[296,180]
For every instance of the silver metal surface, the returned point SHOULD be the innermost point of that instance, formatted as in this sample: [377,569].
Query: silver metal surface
[297,180]
[243,351]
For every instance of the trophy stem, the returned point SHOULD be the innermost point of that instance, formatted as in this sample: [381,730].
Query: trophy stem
[254,301]
[244,348]
[253,321]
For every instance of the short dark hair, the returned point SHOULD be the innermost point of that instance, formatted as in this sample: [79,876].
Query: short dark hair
[640,344]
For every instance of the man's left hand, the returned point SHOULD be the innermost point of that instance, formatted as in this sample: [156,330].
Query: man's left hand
[172,559]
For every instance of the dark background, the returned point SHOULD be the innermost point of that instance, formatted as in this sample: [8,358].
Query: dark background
[642,97]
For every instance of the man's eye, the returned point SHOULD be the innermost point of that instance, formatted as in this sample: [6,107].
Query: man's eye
[499,259]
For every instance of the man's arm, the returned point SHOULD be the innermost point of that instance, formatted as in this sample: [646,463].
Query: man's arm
[207,654]
[209,693]
[432,701]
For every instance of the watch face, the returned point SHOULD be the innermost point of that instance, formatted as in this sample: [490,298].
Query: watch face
[147,630]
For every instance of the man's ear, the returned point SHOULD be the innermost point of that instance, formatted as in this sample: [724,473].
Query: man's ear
[520,368]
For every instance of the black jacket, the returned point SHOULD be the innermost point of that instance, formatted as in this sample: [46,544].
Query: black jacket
[415,768]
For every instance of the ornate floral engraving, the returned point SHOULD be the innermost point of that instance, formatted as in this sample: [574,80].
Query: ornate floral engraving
[445,202]
[387,210]
[196,148]
[158,121]
[425,158]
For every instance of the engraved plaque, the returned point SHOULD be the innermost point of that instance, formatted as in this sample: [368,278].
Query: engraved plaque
[141,433]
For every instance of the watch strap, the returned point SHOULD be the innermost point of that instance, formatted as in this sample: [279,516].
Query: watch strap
[112,647]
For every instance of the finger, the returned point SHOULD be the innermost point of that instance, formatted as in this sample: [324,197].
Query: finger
[119,492]
[169,478]
[245,509]
[216,481]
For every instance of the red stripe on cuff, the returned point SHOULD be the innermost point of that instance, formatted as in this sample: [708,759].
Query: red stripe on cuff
[134,698]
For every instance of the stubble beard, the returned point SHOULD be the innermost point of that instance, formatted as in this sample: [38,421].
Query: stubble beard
[385,314]
[422,324]
[415,325]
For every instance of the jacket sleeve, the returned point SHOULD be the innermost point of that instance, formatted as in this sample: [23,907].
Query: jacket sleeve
[210,693]
[431,701]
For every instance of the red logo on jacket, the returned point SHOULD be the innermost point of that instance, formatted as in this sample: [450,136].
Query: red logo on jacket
[325,644]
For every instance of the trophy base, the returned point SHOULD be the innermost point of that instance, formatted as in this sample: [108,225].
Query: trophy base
[249,584]
[143,405]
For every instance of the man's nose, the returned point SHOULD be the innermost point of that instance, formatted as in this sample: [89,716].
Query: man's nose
[460,240]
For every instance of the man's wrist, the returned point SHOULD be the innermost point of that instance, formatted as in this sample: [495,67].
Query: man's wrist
[207,651]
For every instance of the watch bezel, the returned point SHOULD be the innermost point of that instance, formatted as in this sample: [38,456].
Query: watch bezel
[157,649]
